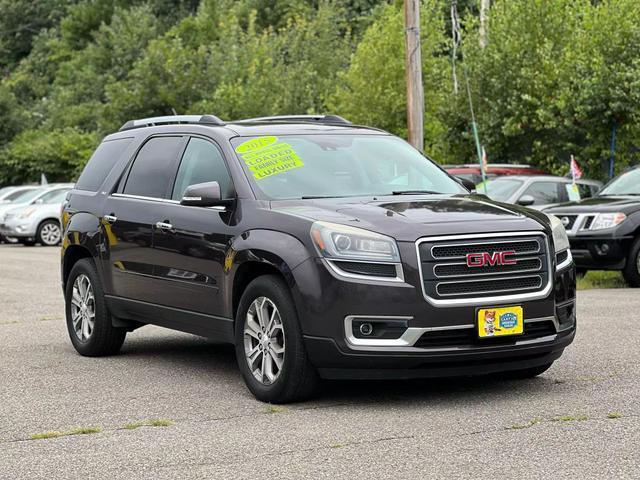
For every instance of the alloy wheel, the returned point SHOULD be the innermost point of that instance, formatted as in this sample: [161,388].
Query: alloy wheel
[264,344]
[83,308]
[50,234]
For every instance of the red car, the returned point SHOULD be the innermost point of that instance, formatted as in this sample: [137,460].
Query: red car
[472,171]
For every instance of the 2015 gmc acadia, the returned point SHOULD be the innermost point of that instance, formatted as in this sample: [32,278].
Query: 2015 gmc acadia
[319,248]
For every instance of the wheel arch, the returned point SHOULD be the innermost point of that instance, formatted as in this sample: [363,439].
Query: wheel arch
[257,253]
[80,239]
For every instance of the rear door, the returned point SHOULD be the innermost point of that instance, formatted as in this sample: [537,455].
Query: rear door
[190,242]
[130,214]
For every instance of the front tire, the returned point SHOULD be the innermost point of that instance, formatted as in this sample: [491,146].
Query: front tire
[631,272]
[88,320]
[269,346]
[49,233]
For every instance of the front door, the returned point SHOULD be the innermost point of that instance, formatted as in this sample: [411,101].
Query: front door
[190,242]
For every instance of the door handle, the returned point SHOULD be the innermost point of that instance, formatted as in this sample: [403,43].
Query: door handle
[110,218]
[164,226]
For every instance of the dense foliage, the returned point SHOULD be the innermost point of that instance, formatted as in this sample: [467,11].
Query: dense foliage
[557,76]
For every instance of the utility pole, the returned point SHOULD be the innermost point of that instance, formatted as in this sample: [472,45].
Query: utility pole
[413,69]
[484,12]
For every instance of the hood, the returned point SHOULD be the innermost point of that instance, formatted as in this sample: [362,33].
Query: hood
[6,207]
[410,217]
[619,203]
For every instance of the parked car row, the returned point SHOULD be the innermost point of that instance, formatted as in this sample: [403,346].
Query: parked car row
[31,214]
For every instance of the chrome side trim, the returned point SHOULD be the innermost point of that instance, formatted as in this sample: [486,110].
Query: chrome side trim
[485,300]
[162,200]
[338,271]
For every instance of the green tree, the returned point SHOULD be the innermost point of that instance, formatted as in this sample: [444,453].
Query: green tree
[60,154]
[372,90]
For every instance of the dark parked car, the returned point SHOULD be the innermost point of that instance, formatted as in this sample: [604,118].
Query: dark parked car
[320,249]
[604,231]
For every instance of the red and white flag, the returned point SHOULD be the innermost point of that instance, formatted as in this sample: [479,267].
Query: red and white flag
[484,160]
[576,171]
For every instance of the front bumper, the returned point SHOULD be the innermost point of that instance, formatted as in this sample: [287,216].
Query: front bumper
[325,303]
[17,228]
[600,252]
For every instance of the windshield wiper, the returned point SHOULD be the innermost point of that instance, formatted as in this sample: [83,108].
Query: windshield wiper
[414,192]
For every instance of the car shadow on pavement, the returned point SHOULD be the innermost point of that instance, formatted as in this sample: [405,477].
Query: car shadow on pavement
[206,359]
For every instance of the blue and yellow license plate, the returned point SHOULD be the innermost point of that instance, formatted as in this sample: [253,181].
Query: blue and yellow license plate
[499,322]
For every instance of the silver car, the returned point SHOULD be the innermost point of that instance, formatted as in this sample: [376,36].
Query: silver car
[9,194]
[538,191]
[36,221]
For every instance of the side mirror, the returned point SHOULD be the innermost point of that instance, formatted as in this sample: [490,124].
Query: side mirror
[466,183]
[526,200]
[39,201]
[203,195]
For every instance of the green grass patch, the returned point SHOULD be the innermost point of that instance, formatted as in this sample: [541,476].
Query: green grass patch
[571,418]
[43,435]
[75,431]
[529,424]
[614,415]
[337,445]
[601,279]
[154,422]
[274,409]
[84,430]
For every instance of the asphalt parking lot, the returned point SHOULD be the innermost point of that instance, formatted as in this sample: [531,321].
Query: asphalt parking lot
[580,419]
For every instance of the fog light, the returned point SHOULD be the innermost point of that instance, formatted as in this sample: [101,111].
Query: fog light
[604,248]
[366,329]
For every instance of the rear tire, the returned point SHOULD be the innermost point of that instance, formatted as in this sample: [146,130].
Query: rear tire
[526,373]
[288,378]
[88,320]
[49,233]
[631,272]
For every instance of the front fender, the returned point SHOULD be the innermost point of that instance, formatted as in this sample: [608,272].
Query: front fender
[277,250]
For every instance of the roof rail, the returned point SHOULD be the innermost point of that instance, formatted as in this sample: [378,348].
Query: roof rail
[170,120]
[327,119]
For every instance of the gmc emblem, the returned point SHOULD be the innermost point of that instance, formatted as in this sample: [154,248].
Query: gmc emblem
[492,259]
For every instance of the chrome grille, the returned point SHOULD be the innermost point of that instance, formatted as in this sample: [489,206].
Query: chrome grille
[460,251]
[447,279]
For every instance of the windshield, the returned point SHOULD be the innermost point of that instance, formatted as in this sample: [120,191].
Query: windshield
[27,196]
[306,166]
[500,189]
[627,183]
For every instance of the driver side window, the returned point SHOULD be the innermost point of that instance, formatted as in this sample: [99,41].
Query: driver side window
[202,162]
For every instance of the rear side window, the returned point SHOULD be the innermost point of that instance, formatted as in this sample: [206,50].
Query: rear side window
[101,163]
[202,162]
[154,167]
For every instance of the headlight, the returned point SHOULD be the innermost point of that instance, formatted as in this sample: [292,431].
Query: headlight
[607,220]
[342,242]
[27,213]
[560,239]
